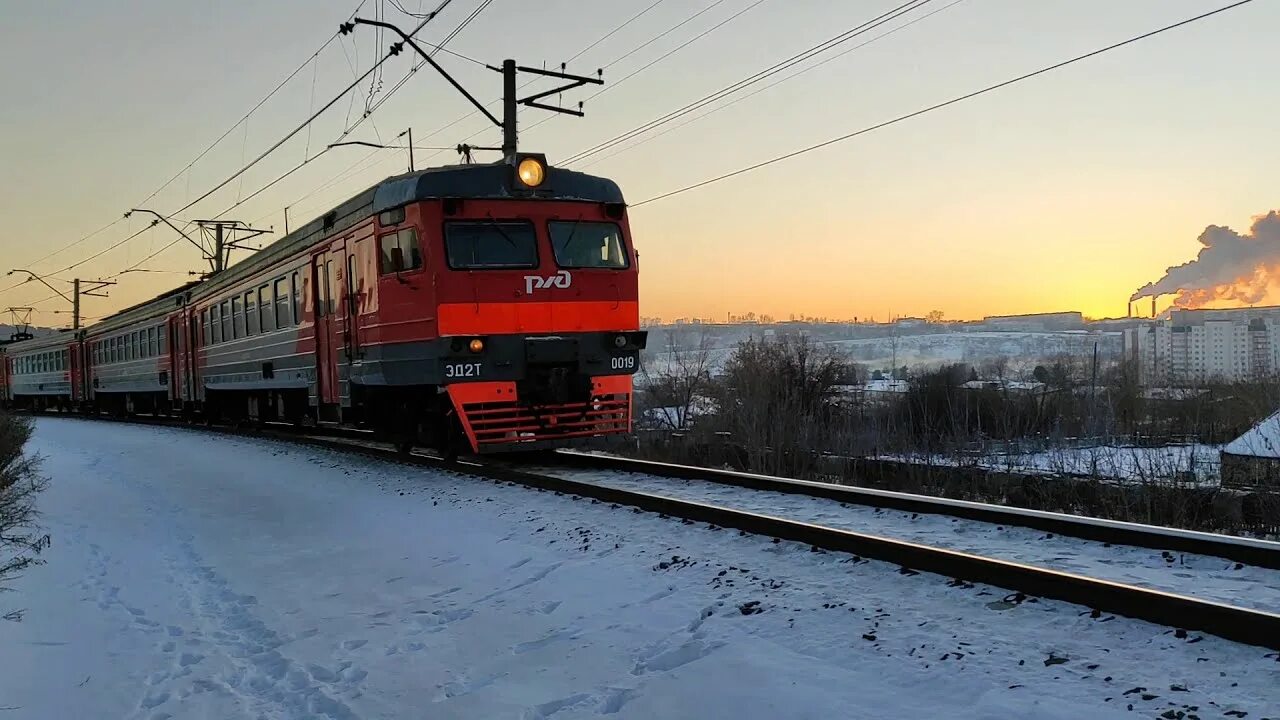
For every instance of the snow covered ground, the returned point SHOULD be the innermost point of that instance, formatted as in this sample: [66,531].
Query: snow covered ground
[199,576]
[1162,465]
[1210,578]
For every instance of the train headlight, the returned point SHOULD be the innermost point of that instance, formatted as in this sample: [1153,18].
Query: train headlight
[620,341]
[476,345]
[532,171]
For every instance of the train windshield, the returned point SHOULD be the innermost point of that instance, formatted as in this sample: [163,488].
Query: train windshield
[579,244]
[490,244]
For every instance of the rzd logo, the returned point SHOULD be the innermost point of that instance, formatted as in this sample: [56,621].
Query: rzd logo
[561,280]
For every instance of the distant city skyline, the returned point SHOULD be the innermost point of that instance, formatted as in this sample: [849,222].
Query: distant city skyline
[1067,192]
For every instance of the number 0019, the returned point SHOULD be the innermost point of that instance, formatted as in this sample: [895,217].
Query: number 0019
[623,363]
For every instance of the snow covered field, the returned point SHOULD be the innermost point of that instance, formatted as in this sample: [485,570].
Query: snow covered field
[198,576]
[1163,465]
[1201,576]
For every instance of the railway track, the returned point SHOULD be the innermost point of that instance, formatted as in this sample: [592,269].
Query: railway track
[1246,625]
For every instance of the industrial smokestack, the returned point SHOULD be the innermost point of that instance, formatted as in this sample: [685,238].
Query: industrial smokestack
[1153,306]
[1230,266]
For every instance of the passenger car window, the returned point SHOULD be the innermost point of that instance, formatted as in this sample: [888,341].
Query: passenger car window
[265,309]
[282,303]
[578,244]
[489,245]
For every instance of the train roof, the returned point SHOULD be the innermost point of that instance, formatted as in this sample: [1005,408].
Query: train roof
[490,182]
[56,340]
[156,307]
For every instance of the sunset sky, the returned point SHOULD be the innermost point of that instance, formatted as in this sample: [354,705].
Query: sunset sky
[1066,192]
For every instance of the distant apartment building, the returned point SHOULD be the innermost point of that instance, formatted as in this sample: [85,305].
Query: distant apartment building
[1195,346]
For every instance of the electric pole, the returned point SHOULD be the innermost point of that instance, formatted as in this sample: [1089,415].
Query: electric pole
[85,288]
[223,237]
[510,99]
[78,289]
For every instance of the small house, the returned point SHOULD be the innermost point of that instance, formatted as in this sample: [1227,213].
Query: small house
[1253,459]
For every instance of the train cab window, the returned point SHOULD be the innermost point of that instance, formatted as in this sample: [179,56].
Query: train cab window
[579,244]
[237,317]
[215,325]
[250,313]
[282,302]
[400,251]
[490,245]
[204,327]
[265,309]
[66,360]
[153,343]
[161,348]
[225,316]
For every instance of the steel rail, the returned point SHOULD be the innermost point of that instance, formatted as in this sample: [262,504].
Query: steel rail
[1260,553]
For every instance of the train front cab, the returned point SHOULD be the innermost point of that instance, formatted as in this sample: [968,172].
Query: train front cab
[535,335]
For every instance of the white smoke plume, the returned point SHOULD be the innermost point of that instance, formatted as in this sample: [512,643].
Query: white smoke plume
[1230,267]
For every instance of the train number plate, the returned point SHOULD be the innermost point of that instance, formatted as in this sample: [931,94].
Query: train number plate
[625,362]
[462,370]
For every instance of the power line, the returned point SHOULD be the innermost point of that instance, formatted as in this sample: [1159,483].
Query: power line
[242,120]
[314,115]
[614,31]
[663,56]
[672,29]
[419,65]
[310,60]
[775,83]
[467,21]
[952,101]
[615,60]
[792,61]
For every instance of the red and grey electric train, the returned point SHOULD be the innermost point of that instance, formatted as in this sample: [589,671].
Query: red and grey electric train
[492,303]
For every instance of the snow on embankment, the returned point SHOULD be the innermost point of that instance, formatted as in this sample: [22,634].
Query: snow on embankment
[201,576]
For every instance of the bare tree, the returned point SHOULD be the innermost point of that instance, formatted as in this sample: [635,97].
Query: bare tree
[676,381]
[20,539]
[777,400]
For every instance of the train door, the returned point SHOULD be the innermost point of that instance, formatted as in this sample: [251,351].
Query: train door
[324,283]
[177,339]
[73,373]
[196,327]
[352,304]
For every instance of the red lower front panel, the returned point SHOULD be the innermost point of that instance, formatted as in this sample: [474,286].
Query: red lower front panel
[494,418]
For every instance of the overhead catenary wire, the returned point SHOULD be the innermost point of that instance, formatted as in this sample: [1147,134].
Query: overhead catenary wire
[612,84]
[275,146]
[418,66]
[946,103]
[462,25]
[775,83]
[614,31]
[311,59]
[745,82]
